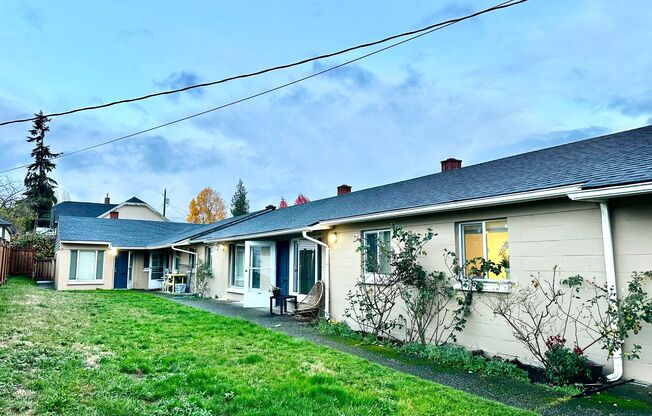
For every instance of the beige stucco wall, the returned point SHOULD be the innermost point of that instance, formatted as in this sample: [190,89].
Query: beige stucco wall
[136,212]
[541,235]
[62,270]
[632,234]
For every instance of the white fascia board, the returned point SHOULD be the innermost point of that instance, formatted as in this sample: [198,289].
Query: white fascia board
[258,235]
[451,206]
[95,243]
[601,194]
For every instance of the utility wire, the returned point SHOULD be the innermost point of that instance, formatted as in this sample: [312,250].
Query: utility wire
[426,29]
[296,81]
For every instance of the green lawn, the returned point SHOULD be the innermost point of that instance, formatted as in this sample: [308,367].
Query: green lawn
[132,353]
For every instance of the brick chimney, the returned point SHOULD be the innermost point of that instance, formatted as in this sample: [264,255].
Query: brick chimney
[107,200]
[450,164]
[343,190]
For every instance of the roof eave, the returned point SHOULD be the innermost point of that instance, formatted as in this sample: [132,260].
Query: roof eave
[608,192]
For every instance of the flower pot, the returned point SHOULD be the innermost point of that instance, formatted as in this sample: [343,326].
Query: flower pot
[276,293]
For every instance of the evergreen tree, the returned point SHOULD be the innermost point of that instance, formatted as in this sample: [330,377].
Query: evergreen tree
[301,199]
[239,202]
[283,203]
[39,187]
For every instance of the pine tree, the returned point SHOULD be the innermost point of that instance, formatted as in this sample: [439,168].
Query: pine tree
[239,202]
[39,186]
[283,203]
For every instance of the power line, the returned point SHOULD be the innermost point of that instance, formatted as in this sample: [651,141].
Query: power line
[270,90]
[426,29]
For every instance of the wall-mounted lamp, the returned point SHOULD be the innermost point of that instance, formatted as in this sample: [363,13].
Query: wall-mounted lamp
[113,251]
[221,246]
[332,237]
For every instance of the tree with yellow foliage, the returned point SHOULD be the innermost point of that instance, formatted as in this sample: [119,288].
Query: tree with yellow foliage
[208,207]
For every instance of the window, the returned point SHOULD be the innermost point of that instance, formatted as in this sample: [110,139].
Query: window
[192,258]
[86,265]
[237,259]
[114,215]
[377,252]
[486,239]
[208,256]
[177,261]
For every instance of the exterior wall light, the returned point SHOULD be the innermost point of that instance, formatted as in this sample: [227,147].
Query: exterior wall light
[332,237]
[113,251]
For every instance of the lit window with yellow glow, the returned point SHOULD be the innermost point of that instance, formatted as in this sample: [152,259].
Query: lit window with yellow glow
[488,240]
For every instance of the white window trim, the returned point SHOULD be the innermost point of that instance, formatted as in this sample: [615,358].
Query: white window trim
[293,290]
[77,281]
[232,288]
[371,278]
[488,285]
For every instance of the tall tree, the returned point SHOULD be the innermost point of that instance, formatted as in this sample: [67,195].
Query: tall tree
[239,202]
[283,203]
[301,199]
[208,207]
[39,187]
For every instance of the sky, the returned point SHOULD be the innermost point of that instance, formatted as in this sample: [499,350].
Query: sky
[536,75]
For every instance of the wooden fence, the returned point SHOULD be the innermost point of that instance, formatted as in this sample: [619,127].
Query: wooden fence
[44,269]
[22,261]
[5,251]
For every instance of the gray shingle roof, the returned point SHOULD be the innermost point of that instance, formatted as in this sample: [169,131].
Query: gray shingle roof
[613,159]
[79,209]
[134,200]
[120,233]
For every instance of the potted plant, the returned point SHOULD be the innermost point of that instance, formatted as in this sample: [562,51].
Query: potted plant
[276,291]
[504,258]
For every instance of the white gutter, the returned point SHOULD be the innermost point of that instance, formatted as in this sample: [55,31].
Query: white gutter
[184,251]
[474,203]
[327,278]
[610,270]
[611,192]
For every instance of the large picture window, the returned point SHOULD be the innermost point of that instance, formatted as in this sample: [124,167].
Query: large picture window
[86,265]
[237,266]
[376,257]
[486,239]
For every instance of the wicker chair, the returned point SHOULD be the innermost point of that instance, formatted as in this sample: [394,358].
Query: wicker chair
[308,308]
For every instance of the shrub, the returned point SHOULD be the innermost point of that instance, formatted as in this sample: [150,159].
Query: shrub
[43,243]
[565,366]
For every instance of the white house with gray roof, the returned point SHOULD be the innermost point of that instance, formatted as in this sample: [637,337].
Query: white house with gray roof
[585,207]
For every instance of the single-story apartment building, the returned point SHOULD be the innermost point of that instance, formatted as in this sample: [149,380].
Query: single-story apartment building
[585,207]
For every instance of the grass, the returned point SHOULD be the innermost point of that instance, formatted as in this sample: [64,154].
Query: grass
[126,353]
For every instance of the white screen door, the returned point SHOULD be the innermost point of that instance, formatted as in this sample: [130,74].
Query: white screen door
[260,269]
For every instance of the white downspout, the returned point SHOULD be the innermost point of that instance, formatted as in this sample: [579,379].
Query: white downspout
[327,278]
[610,271]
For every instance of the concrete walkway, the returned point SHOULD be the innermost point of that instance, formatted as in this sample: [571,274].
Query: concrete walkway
[511,392]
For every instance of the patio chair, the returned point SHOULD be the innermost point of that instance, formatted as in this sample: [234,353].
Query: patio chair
[308,308]
[168,283]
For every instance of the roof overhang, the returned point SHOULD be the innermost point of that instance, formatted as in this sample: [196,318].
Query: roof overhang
[601,194]
[255,236]
[452,206]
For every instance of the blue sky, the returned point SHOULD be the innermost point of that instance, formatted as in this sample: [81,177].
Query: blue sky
[543,73]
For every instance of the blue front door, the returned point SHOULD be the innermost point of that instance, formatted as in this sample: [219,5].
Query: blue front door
[121,270]
[283,266]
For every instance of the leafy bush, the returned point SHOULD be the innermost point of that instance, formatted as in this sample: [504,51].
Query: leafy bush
[565,366]
[43,243]
[333,327]
[459,357]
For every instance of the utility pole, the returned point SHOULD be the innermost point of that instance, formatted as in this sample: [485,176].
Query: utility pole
[165,200]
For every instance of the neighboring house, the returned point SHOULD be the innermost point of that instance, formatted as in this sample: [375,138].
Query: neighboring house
[6,230]
[131,209]
[585,207]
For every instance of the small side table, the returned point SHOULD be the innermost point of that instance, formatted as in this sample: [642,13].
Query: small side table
[284,303]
